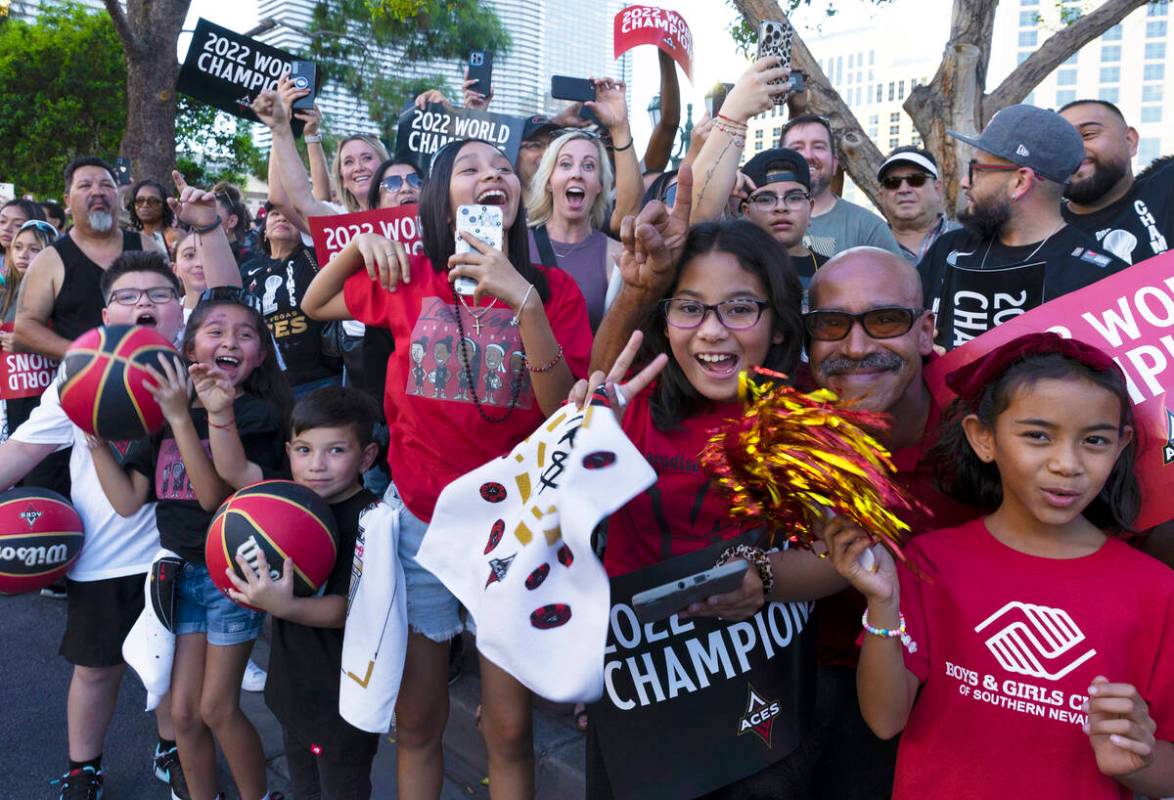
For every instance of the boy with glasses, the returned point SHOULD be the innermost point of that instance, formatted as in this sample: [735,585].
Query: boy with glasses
[911,200]
[780,203]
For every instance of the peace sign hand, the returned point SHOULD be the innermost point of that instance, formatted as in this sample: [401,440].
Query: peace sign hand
[619,392]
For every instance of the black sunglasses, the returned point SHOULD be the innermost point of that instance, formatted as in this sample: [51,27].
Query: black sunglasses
[393,183]
[231,294]
[893,182]
[887,322]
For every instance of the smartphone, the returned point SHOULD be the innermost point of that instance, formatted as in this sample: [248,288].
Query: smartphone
[481,70]
[305,76]
[485,223]
[122,171]
[715,98]
[578,90]
[663,601]
[774,39]
[798,82]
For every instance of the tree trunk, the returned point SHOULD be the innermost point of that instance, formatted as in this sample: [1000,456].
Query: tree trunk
[954,99]
[149,30]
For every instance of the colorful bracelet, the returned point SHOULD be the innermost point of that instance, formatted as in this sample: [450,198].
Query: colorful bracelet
[226,426]
[758,559]
[731,120]
[890,633]
[547,367]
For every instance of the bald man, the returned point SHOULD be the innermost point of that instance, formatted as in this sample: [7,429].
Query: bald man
[869,336]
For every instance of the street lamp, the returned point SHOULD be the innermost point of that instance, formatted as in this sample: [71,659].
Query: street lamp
[654,110]
[686,135]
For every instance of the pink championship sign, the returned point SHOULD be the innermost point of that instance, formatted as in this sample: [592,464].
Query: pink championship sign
[636,25]
[1130,316]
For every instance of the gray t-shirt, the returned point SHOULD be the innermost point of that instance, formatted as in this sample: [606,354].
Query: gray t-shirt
[848,225]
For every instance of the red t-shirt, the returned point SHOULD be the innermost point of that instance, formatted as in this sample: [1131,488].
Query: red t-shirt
[685,510]
[436,433]
[1007,646]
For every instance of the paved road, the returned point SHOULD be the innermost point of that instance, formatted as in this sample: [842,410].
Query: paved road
[33,685]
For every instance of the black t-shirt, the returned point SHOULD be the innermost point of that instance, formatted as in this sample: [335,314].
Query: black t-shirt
[975,284]
[807,265]
[183,523]
[1137,226]
[280,284]
[305,663]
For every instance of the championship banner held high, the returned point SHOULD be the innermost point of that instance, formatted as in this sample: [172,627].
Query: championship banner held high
[1130,316]
[637,25]
[333,233]
[423,132]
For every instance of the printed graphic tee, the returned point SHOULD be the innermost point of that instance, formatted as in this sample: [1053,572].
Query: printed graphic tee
[1140,224]
[440,364]
[1007,645]
[975,284]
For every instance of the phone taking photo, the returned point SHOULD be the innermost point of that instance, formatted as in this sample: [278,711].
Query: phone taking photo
[484,222]
[578,90]
[774,39]
[480,69]
[304,75]
[661,602]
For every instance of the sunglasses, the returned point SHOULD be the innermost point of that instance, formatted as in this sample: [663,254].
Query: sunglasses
[148,201]
[915,181]
[40,225]
[887,322]
[231,294]
[394,183]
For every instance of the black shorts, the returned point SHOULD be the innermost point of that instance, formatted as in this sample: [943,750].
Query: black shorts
[99,616]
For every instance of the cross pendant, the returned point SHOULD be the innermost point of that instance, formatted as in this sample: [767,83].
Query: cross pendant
[477,325]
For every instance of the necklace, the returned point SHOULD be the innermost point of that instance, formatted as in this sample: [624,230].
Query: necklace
[1038,247]
[476,315]
[515,380]
[574,248]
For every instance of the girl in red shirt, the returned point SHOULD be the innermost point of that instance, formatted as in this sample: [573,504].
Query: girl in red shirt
[1026,653]
[441,428]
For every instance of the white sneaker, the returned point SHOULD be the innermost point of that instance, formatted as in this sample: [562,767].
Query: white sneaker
[254,678]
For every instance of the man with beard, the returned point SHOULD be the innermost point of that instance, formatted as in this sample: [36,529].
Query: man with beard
[60,298]
[836,224]
[1130,218]
[1015,252]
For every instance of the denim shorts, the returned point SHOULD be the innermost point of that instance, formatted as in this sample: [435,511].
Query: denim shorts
[202,608]
[433,610]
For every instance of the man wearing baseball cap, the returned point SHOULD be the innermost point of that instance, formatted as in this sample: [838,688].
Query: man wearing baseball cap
[781,204]
[536,135]
[911,200]
[1015,252]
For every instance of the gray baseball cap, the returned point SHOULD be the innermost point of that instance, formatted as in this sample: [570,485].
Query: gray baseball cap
[1032,137]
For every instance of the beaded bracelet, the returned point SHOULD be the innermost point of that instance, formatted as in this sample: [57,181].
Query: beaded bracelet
[758,559]
[549,365]
[890,633]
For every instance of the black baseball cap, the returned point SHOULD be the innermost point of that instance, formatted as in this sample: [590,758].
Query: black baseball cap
[778,164]
[538,125]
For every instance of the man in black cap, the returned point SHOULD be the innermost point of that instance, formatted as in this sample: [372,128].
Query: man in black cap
[911,200]
[1016,252]
[1131,218]
[780,203]
[536,136]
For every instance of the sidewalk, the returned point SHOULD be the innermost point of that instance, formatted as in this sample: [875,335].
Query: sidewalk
[558,747]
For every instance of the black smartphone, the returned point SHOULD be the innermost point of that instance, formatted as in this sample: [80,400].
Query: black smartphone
[481,70]
[122,171]
[715,98]
[798,82]
[305,76]
[578,90]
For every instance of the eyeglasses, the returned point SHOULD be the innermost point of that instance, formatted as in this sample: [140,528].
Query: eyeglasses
[887,322]
[148,201]
[735,315]
[157,295]
[768,201]
[977,166]
[915,180]
[40,225]
[231,294]
[394,183]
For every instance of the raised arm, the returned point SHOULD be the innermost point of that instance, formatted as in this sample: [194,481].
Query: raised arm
[198,209]
[611,107]
[38,291]
[319,171]
[664,135]
[285,165]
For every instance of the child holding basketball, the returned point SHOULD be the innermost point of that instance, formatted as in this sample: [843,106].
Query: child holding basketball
[1027,653]
[243,397]
[330,448]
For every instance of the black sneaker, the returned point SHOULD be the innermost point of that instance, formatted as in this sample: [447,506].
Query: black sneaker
[178,784]
[84,783]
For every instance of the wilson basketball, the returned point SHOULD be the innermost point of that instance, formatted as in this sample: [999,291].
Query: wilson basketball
[103,390]
[281,519]
[40,537]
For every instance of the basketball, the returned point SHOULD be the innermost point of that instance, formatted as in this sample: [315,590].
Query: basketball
[103,389]
[40,537]
[281,519]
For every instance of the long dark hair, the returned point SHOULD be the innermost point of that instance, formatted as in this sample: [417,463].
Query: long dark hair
[168,215]
[674,398]
[963,476]
[377,178]
[267,382]
[436,219]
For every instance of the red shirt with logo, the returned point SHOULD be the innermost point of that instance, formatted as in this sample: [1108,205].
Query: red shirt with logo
[685,510]
[439,367]
[1007,645]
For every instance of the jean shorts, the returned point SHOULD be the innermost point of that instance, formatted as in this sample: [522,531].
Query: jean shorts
[202,608]
[433,610]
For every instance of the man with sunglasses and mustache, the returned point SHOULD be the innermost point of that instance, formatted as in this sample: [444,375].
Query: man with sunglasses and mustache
[911,200]
[1016,251]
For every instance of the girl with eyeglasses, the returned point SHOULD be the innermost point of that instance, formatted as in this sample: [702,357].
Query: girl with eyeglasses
[442,428]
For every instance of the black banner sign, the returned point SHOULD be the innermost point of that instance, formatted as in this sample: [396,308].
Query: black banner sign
[422,132]
[694,705]
[227,70]
[976,300]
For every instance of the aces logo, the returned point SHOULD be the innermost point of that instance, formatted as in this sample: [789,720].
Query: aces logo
[759,718]
[1168,448]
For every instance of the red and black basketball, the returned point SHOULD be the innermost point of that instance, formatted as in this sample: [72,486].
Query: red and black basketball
[40,537]
[103,390]
[283,520]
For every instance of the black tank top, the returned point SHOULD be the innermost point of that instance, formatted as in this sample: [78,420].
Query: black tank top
[78,306]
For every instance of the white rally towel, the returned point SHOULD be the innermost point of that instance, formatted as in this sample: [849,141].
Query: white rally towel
[149,648]
[512,540]
[375,640]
